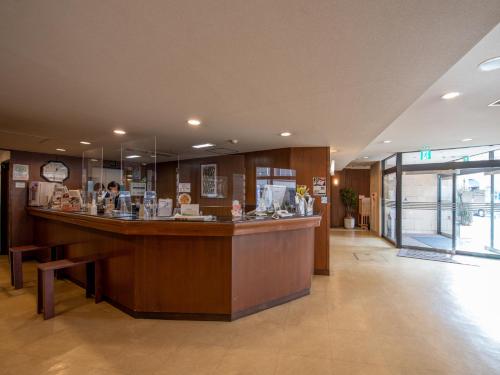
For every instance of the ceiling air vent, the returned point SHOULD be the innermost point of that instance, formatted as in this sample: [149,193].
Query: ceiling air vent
[495,104]
[222,151]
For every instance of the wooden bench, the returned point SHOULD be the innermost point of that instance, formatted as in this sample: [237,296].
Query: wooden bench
[16,261]
[45,298]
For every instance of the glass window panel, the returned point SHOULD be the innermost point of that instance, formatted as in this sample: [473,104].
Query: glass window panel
[390,162]
[263,172]
[449,155]
[284,172]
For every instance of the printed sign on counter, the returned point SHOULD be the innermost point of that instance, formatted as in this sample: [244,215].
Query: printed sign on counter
[190,209]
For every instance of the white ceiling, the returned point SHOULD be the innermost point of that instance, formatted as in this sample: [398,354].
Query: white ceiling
[436,123]
[334,73]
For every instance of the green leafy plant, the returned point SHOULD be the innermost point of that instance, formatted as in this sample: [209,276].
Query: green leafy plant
[349,200]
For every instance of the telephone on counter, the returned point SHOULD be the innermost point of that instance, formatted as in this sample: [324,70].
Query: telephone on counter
[281,213]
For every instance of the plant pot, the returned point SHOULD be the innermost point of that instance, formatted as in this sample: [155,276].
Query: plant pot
[349,223]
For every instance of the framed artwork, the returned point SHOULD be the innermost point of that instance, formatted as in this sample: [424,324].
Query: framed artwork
[21,172]
[209,180]
[54,171]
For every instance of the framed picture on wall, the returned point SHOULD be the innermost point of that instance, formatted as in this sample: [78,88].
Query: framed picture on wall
[209,180]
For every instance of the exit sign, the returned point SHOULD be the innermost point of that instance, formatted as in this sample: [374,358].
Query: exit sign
[425,155]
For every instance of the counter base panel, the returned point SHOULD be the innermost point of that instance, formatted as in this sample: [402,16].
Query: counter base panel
[191,278]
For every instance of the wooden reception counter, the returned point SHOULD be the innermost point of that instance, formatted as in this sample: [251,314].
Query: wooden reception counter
[219,270]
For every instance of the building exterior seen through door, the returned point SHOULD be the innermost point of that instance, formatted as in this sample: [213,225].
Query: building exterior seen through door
[445,200]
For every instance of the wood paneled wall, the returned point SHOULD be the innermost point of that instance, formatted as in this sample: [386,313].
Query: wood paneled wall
[309,162]
[21,226]
[356,179]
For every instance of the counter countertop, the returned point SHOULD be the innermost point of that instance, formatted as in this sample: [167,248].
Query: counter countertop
[222,226]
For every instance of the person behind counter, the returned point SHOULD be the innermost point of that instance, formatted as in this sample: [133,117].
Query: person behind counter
[113,191]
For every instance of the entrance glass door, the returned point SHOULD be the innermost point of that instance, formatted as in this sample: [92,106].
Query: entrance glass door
[496,213]
[473,211]
[389,206]
[445,206]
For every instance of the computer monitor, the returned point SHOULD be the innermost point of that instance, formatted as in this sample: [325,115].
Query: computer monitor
[273,193]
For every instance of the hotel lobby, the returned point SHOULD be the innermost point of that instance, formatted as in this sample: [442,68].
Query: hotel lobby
[283,187]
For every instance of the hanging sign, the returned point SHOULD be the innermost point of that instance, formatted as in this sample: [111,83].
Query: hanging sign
[425,155]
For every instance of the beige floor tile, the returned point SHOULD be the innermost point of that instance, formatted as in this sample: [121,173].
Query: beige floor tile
[396,316]
[248,362]
[301,365]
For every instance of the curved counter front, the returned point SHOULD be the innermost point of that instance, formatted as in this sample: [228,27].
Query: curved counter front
[219,270]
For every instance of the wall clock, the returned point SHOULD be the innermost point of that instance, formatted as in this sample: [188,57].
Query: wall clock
[54,171]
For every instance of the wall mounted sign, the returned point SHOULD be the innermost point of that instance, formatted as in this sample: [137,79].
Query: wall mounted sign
[54,171]
[209,180]
[319,186]
[21,172]
[184,187]
[20,185]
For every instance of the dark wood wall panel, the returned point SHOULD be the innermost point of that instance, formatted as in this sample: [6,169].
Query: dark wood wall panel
[312,162]
[307,161]
[21,225]
[190,171]
[356,179]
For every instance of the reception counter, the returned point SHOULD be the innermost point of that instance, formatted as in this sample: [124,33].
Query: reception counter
[218,270]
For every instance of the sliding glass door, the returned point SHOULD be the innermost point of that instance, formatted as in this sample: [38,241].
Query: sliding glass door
[496,213]
[389,206]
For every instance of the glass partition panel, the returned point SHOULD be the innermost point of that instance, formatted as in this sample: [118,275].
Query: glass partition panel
[138,166]
[276,184]
[92,173]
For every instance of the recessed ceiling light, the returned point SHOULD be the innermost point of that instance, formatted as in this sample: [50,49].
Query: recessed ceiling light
[286,134]
[132,156]
[84,142]
[387,141]
[119,131]
[365,157]
[194,122]
[204,145]
[466,139]
[61,149]
[450,95]
[490,64]
[94,160]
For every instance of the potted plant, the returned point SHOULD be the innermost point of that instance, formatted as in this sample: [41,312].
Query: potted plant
[350,200]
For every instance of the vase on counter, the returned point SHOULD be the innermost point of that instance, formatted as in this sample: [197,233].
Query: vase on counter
[310,206]
[301,206]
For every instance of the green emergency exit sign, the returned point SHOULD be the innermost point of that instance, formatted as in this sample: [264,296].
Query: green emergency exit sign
[425,155]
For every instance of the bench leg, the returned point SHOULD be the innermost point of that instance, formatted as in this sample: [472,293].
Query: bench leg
[48,294]
[39,292]
[17,270]
[11,268]
[90,284]
[98,281]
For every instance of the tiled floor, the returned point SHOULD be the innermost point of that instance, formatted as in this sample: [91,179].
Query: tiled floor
[376,314]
